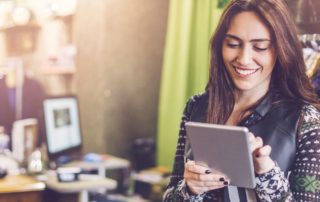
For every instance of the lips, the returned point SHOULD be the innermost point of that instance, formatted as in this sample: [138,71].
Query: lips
[244,71]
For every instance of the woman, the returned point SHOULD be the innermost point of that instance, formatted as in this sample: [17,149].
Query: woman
[257,80]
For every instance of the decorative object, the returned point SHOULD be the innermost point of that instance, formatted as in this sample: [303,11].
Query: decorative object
[21,16]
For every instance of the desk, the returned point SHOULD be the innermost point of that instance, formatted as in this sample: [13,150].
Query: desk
[20,188]
[109,163]
[83,186]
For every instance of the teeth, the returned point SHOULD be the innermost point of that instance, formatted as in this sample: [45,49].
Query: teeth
[245,72]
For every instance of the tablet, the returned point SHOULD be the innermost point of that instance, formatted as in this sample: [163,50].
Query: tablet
[225,149]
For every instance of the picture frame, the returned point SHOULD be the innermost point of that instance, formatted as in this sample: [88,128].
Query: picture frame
[24,138]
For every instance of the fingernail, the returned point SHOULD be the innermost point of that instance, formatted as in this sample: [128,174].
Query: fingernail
[226,183]
[221,179]
[208,171]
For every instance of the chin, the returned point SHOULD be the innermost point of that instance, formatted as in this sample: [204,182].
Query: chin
[243,87]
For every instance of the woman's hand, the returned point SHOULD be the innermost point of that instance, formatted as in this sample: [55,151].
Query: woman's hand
[200,179]
[261,155]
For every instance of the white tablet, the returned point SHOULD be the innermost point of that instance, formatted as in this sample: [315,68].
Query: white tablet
[225,149]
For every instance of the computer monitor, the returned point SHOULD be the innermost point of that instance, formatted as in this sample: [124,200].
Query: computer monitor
[63,131]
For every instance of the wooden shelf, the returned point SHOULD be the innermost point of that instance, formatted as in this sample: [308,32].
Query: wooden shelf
[20,183]
[20,39]
[56,70]
[12,27]
[66,17]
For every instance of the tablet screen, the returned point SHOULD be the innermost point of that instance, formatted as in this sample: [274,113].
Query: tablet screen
[225,149]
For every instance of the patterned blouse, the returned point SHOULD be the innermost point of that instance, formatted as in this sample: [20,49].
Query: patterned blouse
[303,183]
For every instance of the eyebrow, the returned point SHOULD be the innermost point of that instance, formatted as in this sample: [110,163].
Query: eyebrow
[252,40]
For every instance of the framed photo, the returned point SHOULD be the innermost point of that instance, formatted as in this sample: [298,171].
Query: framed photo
[24,138]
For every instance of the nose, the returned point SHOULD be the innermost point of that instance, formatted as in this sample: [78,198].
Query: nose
[245,56]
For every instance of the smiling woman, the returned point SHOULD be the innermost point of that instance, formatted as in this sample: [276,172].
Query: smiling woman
[257,80]
[248,55]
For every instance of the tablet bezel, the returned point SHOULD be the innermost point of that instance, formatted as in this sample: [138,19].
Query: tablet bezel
[209,147]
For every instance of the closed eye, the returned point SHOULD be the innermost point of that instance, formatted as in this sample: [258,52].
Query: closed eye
[261,46]
[233,45]
[260,49]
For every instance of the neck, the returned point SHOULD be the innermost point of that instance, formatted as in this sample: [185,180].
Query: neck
[245,99]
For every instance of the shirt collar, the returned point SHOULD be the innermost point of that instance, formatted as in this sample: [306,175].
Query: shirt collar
[265,105]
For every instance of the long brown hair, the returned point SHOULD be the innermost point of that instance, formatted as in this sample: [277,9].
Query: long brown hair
[288,76]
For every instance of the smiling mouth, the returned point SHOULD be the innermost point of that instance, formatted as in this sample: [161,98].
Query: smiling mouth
[245,72]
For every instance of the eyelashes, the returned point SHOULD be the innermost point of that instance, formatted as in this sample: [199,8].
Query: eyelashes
[256,48]
[260,49]
[230,45]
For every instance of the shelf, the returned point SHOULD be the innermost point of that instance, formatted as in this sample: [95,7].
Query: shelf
[20,183]
[56,70]
[20,39]
[9,28]
[66,17]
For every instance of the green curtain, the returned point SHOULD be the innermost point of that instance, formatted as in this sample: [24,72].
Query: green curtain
[185,67]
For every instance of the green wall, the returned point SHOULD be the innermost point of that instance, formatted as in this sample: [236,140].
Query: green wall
[185,67]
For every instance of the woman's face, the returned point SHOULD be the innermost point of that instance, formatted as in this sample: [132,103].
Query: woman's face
[248,53]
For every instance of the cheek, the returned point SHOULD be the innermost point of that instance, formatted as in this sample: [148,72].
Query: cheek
[271,58]
[224,54]
[227,55]
[268,62]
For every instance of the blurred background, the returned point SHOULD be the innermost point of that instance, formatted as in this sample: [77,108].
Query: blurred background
[130,65]
[108,53]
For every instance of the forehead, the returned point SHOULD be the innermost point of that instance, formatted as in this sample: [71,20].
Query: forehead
[247,25]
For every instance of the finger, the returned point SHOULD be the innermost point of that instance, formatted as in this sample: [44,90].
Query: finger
[204,177]
[198,169]
[251,137]
[196,183]
[258,142]
[264,151]
[189,162]
[254,144]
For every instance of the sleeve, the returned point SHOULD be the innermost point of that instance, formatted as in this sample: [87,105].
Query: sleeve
[273,186]
[177,189]
[305,175]
[304,180]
